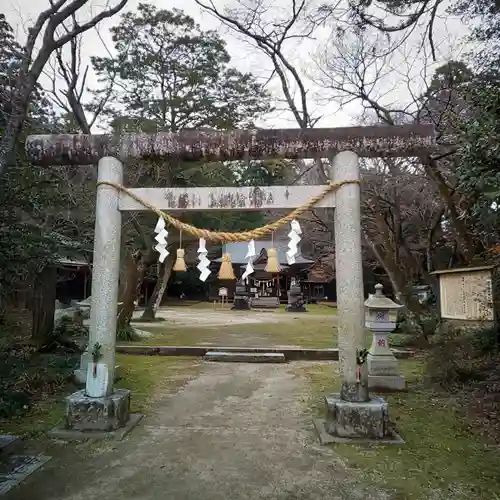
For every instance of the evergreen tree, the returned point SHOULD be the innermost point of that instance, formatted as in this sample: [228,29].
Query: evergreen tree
[171,75]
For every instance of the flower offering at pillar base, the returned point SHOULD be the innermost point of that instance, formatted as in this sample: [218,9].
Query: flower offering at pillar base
[272,265]
[226,271]
[180,264]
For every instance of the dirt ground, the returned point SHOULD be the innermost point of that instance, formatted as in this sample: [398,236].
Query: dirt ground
[239,431]
[206,327]
[207,317]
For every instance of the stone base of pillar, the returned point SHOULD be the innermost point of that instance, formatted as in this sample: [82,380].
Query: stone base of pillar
[88,417]
[354,422]
[386,383]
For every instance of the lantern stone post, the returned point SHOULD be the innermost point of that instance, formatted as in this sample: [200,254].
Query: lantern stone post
[381,319]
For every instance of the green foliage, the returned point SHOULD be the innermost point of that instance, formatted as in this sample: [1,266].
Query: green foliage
[10,61]
[459,355]
[30,226]
[68,327]
[175,76]
[26,376]
[485,32]
[478,168]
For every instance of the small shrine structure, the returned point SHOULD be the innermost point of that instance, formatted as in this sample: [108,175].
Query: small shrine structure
[265,289]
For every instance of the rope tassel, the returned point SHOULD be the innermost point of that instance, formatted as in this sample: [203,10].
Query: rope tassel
[272,265]
[180,263]
[226,271]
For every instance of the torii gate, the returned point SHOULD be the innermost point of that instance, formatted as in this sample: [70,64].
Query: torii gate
[99,407]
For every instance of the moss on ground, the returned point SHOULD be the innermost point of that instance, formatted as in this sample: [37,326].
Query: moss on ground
[43,416]
[143,375]
[443,458]
[146,375]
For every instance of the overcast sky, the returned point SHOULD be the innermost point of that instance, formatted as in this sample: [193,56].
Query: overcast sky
[21,13]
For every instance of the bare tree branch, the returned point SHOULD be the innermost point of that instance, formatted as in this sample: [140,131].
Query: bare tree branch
[270,38]
[44,30]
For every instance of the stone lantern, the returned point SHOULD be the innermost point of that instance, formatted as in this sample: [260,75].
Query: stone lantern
[241,297]
[296,301]
[381,319]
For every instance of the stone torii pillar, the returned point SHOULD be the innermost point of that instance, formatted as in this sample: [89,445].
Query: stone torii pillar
[351,414]
[349,277]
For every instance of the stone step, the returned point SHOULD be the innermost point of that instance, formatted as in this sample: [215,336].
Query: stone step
[290,353]
[246,357]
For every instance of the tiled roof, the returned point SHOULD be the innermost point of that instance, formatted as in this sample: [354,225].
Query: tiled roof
[239,250]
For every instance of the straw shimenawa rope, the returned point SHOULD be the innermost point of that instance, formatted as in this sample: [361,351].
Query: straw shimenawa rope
[224,237]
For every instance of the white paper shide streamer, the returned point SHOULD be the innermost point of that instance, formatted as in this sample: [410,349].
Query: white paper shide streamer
[293,244]
[250,255]
[161,238]
[203,260]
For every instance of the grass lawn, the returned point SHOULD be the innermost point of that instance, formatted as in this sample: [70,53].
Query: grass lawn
[143,375]
[304,331]
[443,458]
[321,308]
[43,416]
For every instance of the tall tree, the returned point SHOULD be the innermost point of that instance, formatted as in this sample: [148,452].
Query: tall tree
[478,161]
[275,33]
[170,75]
[173,76]
[53,28]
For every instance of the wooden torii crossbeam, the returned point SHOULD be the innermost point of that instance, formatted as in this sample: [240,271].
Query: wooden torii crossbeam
[343,145]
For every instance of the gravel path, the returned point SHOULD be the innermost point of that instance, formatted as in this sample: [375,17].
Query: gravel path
[238,431]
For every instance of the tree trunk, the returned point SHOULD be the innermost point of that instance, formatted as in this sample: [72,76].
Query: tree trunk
[464,241]
[129,279]
[133,276]
[159,290]
[10,137]
[44,305]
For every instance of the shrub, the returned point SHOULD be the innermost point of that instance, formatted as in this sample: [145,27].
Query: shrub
[459,355]
[26,375]
[419,331]
[70,327]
